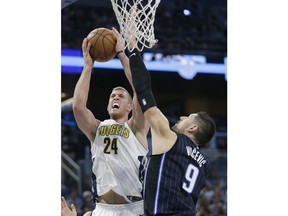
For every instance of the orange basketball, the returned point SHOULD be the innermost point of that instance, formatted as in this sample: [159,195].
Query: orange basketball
[103,43]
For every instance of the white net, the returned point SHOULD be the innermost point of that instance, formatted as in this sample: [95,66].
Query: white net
[136,25]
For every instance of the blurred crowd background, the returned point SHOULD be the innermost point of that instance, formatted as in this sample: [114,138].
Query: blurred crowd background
[181,27]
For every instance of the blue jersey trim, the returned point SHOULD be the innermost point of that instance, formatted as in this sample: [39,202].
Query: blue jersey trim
[158,184]
[145,175]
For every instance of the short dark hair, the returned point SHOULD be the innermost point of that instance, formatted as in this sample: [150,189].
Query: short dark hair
[206,128]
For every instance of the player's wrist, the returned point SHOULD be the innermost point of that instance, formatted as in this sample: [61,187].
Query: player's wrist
[118,52]
[88,66]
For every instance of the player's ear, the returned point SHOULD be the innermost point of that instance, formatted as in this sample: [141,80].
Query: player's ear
[130,107]
[192,128]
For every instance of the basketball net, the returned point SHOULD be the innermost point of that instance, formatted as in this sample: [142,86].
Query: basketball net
[137,25]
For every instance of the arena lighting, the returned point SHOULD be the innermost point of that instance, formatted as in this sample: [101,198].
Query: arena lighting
[187,12]
[187,66]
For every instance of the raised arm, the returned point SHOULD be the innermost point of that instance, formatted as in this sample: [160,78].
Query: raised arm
[137,121]
[83,116]
[163,137]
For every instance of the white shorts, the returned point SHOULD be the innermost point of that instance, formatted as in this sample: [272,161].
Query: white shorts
[130,209]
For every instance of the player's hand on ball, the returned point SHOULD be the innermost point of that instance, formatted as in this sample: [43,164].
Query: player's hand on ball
[86,45]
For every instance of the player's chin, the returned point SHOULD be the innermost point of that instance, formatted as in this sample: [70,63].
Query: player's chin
[114,113]
[174,127]
[114,110]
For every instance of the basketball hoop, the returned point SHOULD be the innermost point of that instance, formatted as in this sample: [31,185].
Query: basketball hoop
[142,30]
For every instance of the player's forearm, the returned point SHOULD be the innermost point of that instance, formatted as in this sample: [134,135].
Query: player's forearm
[82,88]
[138,117]
[126,66]
[141,81]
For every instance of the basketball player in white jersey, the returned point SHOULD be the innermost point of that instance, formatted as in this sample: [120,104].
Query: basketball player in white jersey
[118,145]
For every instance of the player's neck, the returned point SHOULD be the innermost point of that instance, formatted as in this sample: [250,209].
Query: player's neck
[120,120]
[194,141]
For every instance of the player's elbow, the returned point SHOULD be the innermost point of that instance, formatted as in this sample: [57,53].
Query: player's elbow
[78,107]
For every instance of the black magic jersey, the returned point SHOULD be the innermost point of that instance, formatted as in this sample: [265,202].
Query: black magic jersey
[173,180]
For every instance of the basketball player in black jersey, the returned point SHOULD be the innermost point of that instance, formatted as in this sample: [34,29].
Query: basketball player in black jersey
[177,169]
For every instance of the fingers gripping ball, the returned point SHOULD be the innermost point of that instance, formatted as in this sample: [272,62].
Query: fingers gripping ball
[103,43]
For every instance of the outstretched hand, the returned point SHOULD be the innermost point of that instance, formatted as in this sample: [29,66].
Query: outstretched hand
[120,42]
[65,210]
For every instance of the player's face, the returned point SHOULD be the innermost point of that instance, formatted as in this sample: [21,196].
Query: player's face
[119,103]
[184,123]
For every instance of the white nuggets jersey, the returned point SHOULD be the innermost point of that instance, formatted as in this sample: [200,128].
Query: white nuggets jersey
[117,156]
